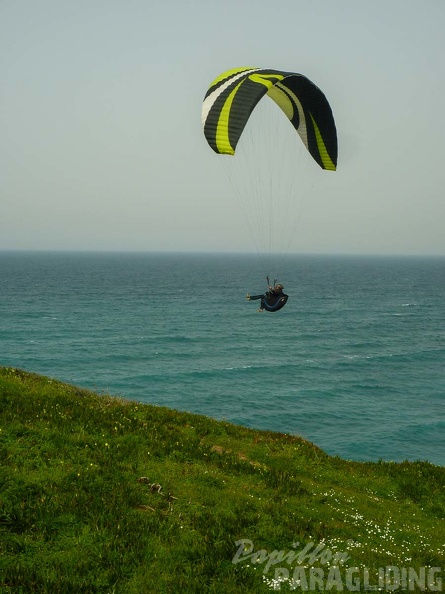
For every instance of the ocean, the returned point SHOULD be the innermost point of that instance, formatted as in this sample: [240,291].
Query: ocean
[355,362]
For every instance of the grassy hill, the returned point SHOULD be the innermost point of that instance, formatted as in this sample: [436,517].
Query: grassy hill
[104,495]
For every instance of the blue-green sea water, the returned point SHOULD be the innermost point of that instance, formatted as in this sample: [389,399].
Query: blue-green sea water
[355,362]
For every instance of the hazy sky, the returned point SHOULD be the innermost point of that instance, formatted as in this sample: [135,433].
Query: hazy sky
[101,145]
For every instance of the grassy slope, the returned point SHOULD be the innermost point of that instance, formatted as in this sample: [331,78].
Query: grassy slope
[75,515]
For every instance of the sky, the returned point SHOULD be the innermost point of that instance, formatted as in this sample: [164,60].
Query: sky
[101,143]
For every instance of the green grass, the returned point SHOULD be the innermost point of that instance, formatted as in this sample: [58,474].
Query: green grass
[104,495]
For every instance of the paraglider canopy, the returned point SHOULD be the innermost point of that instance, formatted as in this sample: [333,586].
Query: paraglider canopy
[233,95]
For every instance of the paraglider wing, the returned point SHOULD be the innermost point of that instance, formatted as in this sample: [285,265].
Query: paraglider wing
[232,97]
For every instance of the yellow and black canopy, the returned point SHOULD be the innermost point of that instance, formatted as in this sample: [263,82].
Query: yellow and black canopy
[232,97]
